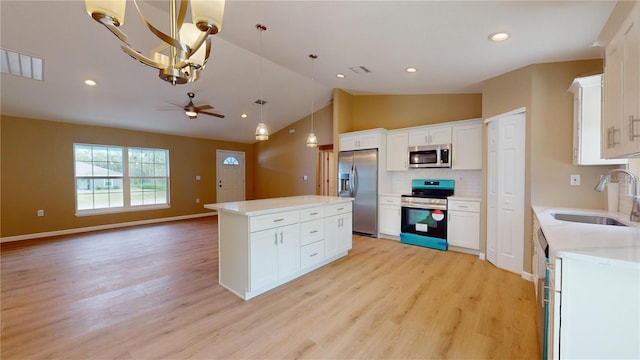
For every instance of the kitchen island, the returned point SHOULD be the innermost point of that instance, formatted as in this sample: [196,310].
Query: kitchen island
[265,243]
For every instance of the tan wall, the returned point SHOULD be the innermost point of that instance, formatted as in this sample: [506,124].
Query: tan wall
[401,111]
[283,160]
[542,89]
[37,173]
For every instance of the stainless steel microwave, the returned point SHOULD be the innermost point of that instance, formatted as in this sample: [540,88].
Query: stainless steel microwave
[430,156]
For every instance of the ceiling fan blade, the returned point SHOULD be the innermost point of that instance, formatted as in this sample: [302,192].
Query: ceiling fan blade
[212,114]
[204,107]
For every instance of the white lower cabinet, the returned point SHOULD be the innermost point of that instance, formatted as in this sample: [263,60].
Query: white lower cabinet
[275,254]
[595,310]
[463,224]
[338,229]
[390,215]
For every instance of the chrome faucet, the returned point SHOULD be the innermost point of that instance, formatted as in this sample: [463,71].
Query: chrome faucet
[635,209]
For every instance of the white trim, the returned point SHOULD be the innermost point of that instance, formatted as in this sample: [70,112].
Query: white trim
[512,112]
[103,227]
[527,276]
[119,210]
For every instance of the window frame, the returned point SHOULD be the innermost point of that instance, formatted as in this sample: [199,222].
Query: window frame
[126,183]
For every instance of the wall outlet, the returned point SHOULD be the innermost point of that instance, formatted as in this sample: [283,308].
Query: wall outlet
[574,180]
[197,177]
[197,200]
[305,178]
[40,213]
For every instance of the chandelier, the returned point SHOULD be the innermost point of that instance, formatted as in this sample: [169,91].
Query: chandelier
[188,44]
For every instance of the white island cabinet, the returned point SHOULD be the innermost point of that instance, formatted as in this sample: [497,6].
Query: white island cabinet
[265,243]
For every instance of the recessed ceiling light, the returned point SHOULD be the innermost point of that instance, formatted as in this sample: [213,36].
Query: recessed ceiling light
[410,69]
[500,36]
[340,76]
[90,82]
[244,115]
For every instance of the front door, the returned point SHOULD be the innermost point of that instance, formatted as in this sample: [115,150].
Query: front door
[230,179]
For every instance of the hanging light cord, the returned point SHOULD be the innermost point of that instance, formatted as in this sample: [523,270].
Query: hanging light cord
[261,28]
[313,88]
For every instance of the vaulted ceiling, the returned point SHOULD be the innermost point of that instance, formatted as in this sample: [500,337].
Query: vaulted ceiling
[447,41]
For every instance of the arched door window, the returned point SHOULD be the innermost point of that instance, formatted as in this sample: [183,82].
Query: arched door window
[230,160]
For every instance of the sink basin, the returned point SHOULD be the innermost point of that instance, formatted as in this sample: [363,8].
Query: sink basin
[587,219]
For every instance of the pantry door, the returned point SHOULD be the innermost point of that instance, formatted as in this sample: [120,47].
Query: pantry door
[505,190]
[230,178]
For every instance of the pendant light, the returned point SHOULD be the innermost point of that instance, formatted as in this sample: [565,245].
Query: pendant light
[262,133]
[312,140]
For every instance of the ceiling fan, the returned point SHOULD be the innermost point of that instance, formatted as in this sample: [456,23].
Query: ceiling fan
[192,111]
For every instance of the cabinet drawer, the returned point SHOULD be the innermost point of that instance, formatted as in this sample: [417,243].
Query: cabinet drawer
[311,231]
[312,213]
[262,222]
[311,254]
[390,200]
[459,205]
[337,209]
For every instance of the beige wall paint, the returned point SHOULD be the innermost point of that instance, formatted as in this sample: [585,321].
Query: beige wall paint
[401,111]
[283,160]
[37,173]
[542,89]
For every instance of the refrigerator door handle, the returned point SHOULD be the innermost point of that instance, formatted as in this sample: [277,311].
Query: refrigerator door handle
[355,182]
[351,180]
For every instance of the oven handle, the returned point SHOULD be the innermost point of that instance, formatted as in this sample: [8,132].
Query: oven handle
[424,207]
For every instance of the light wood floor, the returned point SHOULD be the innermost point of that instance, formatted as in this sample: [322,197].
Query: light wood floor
[151,292]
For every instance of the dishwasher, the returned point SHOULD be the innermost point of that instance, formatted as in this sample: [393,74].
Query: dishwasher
[542,291]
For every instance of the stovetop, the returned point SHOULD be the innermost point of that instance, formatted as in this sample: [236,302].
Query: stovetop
[430,188]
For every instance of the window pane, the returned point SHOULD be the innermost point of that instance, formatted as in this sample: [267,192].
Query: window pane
[98,172]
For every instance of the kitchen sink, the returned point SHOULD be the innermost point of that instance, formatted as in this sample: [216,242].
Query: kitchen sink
[587,219]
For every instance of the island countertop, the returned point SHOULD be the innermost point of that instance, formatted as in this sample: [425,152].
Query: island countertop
[267,206]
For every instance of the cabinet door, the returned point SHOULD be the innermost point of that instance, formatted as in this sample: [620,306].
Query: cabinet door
[464,229]
[612,121]
[348,142]
[338,234]
[397,151]
[390,220]
[368,141]
[467,147]
[288,250]
[263,258]
[631,80]
[419,137]
[440,135]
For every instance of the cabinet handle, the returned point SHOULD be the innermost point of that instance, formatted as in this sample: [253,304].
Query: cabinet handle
[613,136]
[314,254]
[340,209]
[278,220]
[281,236]
[632,122]
[463,206]
[313,231]
[313,213]
[275,238]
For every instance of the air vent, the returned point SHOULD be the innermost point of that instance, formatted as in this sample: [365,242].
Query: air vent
[15,63]
[360,69]
[259,102]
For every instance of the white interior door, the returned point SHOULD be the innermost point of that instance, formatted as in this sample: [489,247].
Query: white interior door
[505,195]
[230,178]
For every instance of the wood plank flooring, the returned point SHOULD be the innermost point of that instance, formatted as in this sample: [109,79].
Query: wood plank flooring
[151,292]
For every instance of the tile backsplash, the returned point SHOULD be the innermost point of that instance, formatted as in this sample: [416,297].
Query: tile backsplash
[467,182]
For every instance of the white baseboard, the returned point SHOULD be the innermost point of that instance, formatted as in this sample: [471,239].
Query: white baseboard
[527,276]
[102,227]
[482,256]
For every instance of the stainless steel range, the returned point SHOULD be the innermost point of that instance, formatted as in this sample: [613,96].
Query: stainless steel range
[424,213]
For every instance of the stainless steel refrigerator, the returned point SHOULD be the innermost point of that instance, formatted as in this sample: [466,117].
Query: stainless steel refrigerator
[358,178]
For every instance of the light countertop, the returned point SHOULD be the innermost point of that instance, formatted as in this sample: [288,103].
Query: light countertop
[464,198]
[267,206]
[605,244]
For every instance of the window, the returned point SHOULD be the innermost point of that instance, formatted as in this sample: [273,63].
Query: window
[112,178]
[230,160]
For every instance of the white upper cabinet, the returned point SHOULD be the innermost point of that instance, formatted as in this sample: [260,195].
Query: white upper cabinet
[360,140]
[466,147]
[587,115]
[432,135]
[397,151]
[621,120]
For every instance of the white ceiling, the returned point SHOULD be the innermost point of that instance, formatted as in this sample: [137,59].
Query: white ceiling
[446,40]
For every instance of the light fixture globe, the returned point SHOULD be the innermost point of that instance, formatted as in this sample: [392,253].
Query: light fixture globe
[312,140]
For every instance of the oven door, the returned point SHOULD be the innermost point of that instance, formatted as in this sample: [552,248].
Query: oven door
[424,226]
